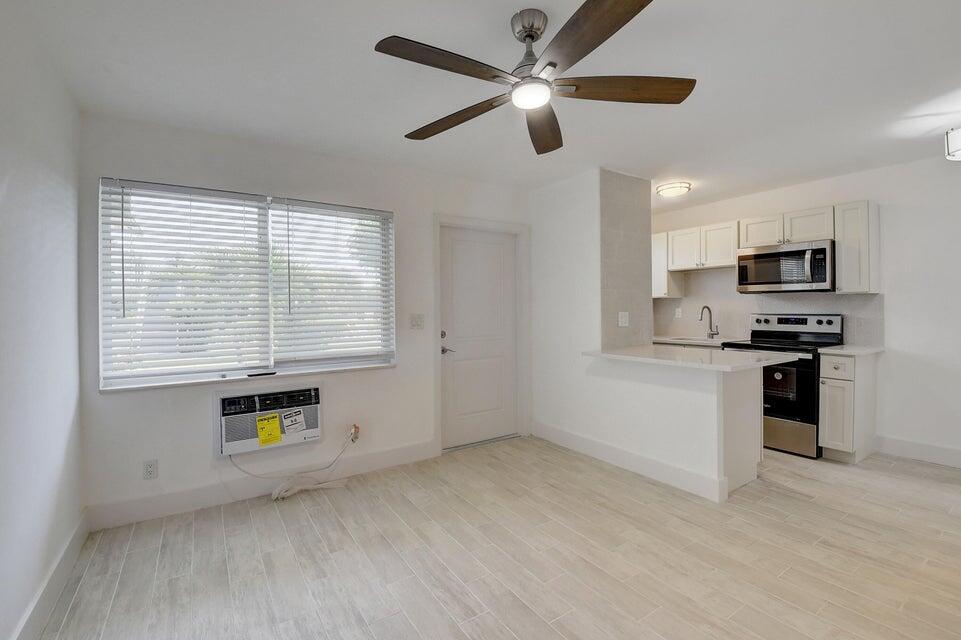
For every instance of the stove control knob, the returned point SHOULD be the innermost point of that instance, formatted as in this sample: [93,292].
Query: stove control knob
[757,320]
[820,321]
[829,322]
[767,321]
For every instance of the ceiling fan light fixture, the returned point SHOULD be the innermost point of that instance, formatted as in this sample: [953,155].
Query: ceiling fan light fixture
[673,189]
[531,93]
[952,145]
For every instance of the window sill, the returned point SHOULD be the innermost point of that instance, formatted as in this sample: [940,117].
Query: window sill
[215,378]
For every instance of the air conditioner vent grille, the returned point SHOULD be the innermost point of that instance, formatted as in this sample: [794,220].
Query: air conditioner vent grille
[244,427]
[299,409]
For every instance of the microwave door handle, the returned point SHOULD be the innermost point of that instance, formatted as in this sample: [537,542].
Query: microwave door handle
[808,257]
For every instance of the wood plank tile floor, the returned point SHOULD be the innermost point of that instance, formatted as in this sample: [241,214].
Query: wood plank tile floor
[525,540]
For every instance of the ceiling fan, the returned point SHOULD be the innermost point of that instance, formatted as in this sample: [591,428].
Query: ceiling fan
[536,78]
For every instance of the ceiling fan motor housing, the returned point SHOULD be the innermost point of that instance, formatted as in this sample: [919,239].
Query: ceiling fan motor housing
[528,27]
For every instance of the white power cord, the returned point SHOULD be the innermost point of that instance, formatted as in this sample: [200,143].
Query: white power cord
[294,483]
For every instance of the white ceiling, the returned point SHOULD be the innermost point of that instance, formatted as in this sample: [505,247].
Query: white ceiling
[787,91]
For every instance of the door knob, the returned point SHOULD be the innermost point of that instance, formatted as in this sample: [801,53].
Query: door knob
[445,351]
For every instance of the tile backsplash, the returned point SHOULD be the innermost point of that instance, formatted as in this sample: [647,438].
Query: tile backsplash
[863,314]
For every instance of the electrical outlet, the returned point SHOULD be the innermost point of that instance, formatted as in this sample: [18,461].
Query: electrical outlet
[678,313]
[417,321]
[623,319]
[150,470]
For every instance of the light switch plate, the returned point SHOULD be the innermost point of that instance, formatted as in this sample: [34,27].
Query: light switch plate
[623,319]
[678,314]
[417,321]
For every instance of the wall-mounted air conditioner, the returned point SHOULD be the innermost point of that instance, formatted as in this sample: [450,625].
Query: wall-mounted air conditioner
[261,421]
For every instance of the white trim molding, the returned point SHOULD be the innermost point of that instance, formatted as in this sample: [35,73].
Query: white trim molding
[677,477]
[43,603]
[923,451]
[240,487]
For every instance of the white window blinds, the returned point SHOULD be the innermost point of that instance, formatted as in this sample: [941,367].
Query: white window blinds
[204,285]
[333,284]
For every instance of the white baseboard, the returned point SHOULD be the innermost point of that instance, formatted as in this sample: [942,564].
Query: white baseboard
[34,619]
[677,477]
[115,514]
[937,454]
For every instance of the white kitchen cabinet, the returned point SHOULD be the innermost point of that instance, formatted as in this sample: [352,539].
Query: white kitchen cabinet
[857,248]
[836,428]
[705,247]
[809,225]
[719,245]
[761,232]
[684,249]
[848,401]
[664,283]
[797,226]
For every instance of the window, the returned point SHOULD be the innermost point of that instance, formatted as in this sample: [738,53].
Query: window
[206,285]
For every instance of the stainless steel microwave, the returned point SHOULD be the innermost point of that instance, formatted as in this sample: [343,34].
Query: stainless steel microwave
[801,266]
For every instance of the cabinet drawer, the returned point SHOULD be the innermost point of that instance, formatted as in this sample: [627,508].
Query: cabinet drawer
[837,367]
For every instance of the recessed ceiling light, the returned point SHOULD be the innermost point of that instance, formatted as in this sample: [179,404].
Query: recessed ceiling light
[952,145]
[673,189]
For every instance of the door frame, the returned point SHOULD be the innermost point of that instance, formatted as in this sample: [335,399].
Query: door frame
[522,337]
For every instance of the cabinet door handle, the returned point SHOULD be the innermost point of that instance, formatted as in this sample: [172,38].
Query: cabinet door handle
[837,367]
[824,381]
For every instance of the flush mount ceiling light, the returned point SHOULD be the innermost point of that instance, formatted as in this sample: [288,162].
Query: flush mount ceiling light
[531,93]
[952,145]
[673,189]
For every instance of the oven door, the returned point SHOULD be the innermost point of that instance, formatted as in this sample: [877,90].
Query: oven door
[807,266]
[791,407]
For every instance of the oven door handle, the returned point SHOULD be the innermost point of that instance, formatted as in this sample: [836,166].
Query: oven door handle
[808,257]
[800,356]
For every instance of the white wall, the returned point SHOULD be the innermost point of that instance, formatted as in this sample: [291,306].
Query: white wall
[395,407]
[40,504]
[618,411]
[920,372]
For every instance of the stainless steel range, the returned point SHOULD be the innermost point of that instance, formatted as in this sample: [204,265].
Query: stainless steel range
[791,390]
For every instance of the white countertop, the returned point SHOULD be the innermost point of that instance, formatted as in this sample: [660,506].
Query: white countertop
[706,359]
[850,350]
[691,341]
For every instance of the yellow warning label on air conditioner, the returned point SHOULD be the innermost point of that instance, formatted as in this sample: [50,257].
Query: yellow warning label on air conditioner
[268,429]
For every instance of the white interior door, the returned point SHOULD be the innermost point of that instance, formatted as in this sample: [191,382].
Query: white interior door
[478,324]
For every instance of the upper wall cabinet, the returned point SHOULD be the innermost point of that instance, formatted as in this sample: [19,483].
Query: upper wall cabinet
[857,248]
[798,226]
[664,283]
[809,225]
[762,232]
[684,249]
[702,247]
[719,245]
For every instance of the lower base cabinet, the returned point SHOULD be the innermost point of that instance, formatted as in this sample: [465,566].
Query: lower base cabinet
[847,401]
[837,415]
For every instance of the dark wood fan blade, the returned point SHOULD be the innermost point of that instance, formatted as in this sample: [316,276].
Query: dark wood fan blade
[454,119]
[440,59]
[544,129]
[644,89]
[588,28]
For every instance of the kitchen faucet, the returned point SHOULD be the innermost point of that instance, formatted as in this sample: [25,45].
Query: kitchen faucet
[712,331]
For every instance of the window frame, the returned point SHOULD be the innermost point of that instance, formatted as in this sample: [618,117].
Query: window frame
[286,368]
